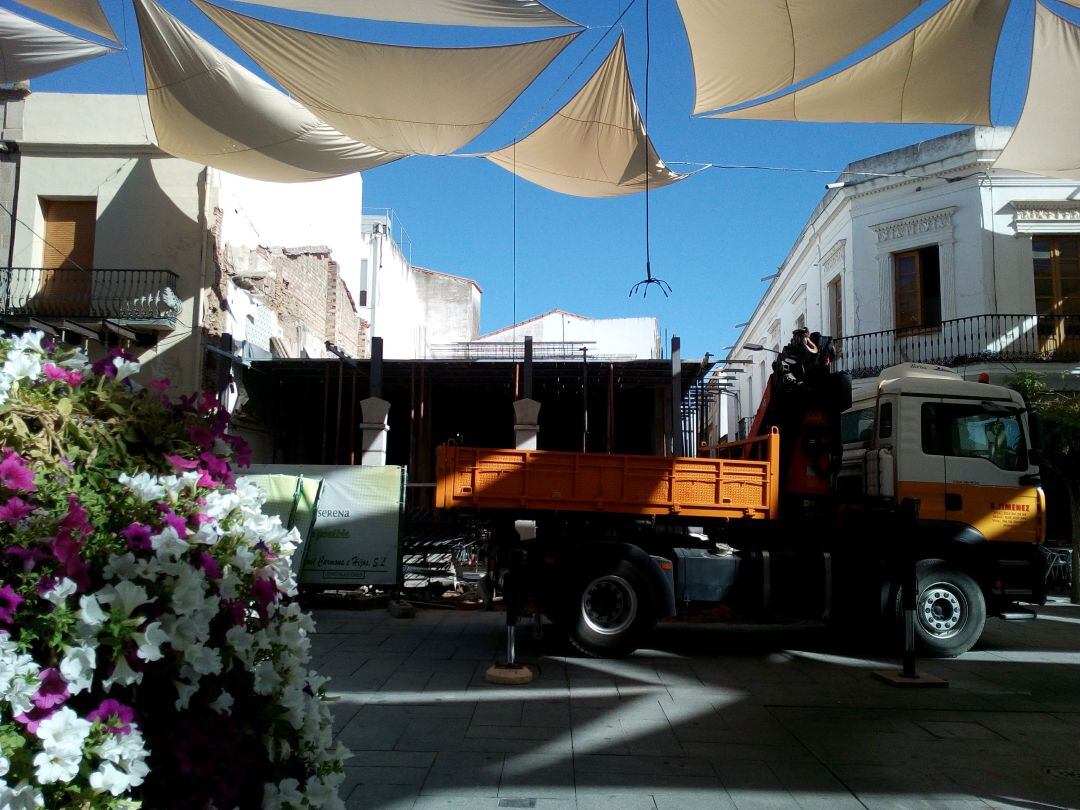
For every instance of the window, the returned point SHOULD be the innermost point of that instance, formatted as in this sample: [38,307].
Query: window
[1056,266]
[917,275]
[885,421]
[971,431]
[836,307]
[800,322]
[857,426]
[67,257]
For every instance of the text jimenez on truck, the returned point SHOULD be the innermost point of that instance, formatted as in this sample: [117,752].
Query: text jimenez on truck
[821,512]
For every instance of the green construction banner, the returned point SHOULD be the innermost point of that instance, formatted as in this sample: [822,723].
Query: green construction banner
[355,537]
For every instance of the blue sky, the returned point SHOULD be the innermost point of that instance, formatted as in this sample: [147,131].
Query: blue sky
[713,235]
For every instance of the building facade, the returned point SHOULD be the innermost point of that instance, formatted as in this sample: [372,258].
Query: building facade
[926,254]
[559,335]
[113,242]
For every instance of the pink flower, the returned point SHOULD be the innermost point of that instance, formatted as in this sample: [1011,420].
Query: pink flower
[114,715]
[9,603]
[201,436]
[30,556]
[216,466]
[160,384]
[14,474]
[72,377]
[15,509]
[179,463]
[170,518]
[76,520]
[209,565]
[207,403]
[53,690]
[265,593]
[138,537]
[32,719]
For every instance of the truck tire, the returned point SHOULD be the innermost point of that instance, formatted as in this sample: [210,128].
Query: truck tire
[950,610]
[612,610]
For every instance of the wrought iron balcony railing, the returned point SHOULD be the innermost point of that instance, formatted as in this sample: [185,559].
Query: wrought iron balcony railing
[963,341]
[131,295]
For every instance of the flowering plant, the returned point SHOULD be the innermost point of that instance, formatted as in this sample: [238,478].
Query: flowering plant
[149,652]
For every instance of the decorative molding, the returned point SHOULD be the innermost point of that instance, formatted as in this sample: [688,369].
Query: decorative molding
[922,230]
[800,292]
[919,226]
[833,261]
[1046,216]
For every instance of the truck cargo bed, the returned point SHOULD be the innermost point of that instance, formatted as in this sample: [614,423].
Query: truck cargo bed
[541,480]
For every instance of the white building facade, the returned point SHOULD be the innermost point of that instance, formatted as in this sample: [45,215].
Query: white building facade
[564,334]
[926,254]
[110,235]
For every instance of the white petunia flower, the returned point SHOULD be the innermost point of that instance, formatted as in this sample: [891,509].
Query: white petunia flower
[125,368]
[109,778]
[204,660]
[122,674]
[149,642]
[77,668]
[266,678]
[123,566]
[222,703]
[124,597]
[28,342]
[168,543]
[62,735]
[22,796]
[185,692]
[143,486]
[59,592]
[22,366]
[90,612]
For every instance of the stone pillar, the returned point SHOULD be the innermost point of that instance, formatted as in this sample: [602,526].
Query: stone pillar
[374,412]
[526,424]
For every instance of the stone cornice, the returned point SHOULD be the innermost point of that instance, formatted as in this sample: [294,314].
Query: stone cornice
[931,222]
[1046,216]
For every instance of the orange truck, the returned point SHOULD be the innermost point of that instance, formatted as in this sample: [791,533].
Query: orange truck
[822,512]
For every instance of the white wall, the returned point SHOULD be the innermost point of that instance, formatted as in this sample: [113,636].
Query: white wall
[633,338]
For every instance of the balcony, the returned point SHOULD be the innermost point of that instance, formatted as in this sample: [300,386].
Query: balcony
[964,341]
[144,299]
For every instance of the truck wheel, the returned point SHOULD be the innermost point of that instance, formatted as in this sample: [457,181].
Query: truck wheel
[612,611]
[950,611]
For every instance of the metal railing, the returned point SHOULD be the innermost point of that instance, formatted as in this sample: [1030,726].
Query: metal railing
[515,351]
[140,295]
[962,341]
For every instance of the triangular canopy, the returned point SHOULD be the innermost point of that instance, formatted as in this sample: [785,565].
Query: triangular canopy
[85,14]
[745,50]
[596,145]
[488,13]
[1045,139]
[29,49]
[407,100]
[208,109]
[937,73]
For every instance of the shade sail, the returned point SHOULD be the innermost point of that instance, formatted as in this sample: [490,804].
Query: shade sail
[85,14]
[488,13]
[596,145]
[1045,138]
[745,50]
[208,109]
[29,49]
[937,73]
[407,100]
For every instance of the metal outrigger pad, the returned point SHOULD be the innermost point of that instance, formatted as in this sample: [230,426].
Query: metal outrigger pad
[665,288]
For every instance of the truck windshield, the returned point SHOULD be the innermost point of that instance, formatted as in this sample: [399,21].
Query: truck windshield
[969,431]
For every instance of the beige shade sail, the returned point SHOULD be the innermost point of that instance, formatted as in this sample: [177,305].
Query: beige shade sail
[85,14]
[596,145]
[29,49]
[208,109]
[407,100]
[1045,138]
[937,73]
[487,13]
[746,49]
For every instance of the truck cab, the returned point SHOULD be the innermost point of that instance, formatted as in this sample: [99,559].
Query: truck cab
[962,449]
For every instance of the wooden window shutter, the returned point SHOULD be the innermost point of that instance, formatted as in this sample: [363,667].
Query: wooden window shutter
[69,234]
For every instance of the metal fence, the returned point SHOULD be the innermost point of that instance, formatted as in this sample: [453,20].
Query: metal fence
[979,338]
[515,351]
[72,293]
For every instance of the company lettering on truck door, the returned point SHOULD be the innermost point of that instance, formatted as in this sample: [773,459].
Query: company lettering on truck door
[989,477]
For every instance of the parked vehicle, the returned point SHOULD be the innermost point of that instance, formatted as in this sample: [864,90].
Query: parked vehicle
[821,512]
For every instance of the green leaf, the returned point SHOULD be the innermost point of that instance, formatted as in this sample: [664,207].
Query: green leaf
[64,407]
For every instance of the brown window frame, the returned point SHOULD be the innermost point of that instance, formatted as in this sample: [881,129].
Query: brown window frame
[835,289]
[922,326]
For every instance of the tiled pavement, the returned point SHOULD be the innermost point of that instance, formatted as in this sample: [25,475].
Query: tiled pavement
[707,717]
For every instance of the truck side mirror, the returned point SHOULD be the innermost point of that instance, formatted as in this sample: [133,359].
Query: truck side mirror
[1035,428]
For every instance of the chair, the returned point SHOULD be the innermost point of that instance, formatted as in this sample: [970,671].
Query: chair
[1061,566]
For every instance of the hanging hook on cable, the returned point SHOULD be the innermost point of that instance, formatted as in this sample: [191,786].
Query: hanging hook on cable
[643,285]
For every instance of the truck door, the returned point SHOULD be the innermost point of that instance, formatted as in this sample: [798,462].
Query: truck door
[990,483]
[920,466]
[881,459]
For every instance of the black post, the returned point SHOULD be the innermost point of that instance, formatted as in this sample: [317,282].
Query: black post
[528,368]
[512,595]
[584,399]
[909,523]
[676,397]
[376,367]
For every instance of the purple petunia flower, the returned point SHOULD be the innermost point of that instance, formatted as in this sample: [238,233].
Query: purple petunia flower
[32,719]
[114,715]
[9,603]
[209,565]
[53,690]
[30,556]
[138,537]
[15,509]
[179,463]
[14,474]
